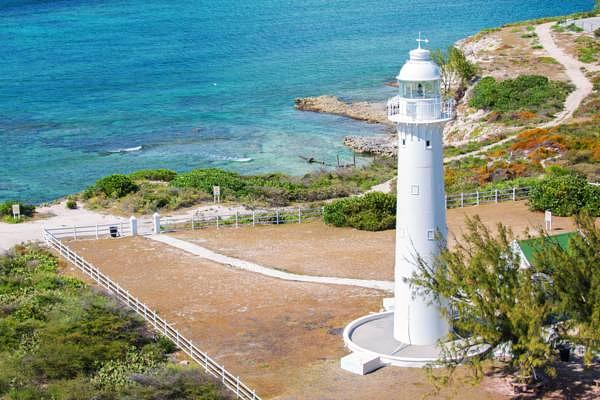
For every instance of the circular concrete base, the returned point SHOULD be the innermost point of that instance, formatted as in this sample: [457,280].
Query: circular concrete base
[372,335]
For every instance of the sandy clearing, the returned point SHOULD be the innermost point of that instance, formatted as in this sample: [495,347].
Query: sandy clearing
[318,249]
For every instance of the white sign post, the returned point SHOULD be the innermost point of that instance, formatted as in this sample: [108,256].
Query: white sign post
[216,194]
[548,220]
[16,210]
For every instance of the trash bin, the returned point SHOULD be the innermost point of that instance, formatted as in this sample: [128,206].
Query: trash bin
[114,231]
[565,353]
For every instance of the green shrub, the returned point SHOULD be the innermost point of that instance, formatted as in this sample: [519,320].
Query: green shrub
[564,194]
[205,179]
[71,204]
[160,174]
[372,212]
[59,339]
[112,186]
[533,93]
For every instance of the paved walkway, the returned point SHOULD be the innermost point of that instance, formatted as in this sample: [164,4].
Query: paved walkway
[259,269]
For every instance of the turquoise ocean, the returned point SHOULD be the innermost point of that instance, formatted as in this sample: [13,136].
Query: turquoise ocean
[92,87]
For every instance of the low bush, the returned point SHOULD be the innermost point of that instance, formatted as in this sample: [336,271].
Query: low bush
[112,186]
[160,174]
[565,193]
[532,93]
[374,211]
[230,183]
[71,203]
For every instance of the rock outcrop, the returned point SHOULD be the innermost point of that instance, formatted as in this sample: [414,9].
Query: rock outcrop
[383,145]
[363,111]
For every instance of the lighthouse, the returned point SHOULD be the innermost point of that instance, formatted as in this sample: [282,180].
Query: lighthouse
[419,113]
[408,333]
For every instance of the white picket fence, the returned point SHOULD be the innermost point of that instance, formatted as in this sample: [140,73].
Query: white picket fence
[235,220]
[161,325]
[486,197]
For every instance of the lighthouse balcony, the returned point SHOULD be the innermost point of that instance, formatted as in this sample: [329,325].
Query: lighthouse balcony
[417,110]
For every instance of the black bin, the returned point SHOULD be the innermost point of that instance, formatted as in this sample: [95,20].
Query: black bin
[565,353]
[114,231]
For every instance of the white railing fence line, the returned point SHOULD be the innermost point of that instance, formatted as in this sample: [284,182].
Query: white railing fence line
[272,217]
[231,382]
[235,220]
[486,197]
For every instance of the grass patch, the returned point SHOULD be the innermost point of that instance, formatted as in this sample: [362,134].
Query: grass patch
[62,340]
[588,49]
[527,98]
[144,195]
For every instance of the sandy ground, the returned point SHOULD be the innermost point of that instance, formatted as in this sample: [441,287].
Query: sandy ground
[283,338]
[317,249]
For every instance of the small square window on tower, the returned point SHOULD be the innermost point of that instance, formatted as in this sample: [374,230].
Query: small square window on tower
[403,139]
[430,234]
[414,190]
[428,144]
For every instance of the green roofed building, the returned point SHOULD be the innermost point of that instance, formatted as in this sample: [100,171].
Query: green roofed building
[529,247]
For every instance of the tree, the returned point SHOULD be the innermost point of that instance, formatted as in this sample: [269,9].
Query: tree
[456,71]
[575,276]
[495,302]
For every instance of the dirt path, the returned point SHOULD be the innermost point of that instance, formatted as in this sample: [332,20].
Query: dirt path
[583,87]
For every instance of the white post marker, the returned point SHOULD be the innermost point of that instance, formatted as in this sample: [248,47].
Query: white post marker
[16,210]
[133,225]
[216,194]
[548,220]
[156,223]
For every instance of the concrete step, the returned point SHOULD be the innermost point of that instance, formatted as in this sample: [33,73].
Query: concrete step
[360,363]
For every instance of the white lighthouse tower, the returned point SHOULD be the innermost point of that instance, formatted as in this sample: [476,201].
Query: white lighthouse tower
[408,334]
[420,114]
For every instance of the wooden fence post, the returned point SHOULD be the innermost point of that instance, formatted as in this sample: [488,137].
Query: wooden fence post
[277,217]
[299,215]
[217,221]
[496,196]
[236,219]
[96,231]
[478,197]
[446,201]
[514,194]
[253,218]
[462,199]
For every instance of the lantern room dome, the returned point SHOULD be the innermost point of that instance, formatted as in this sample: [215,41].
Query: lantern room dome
[419,67]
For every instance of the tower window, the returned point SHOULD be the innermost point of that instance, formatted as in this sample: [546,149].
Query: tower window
[403,142]
[428,144]
[414,190]
[430,234]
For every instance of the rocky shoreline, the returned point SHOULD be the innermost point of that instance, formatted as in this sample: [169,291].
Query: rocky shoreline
[373,113]
[381,145]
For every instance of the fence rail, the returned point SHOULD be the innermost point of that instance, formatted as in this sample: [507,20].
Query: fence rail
[273,217]
[161,325]
[486,197]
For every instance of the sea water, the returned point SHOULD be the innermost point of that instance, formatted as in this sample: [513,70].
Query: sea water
[93,87]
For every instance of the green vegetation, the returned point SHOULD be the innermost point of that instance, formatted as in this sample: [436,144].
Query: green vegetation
[588,49]
[372,212]
[190,188]
[498,303]
[113,186]
[527,98]
[161,174]
[565,193]
[455,68]
[61,340]
[71,203]
[6,214]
